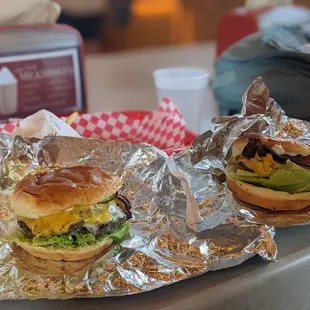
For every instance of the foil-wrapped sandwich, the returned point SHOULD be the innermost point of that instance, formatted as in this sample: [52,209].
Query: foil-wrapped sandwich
[58,224]
[70,214]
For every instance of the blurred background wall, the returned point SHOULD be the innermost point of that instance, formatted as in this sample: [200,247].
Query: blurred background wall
[135,24]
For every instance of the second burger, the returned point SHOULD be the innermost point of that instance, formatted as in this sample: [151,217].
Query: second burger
[269,172]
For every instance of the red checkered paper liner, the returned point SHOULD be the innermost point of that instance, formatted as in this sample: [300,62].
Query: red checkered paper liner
[164,128]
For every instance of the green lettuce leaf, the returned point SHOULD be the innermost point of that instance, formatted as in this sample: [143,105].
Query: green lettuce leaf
[75,240]
[63,241]
[118,234]
[289,178]
[252,180]
[246,176]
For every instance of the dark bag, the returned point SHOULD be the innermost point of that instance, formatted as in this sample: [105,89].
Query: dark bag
[281,56]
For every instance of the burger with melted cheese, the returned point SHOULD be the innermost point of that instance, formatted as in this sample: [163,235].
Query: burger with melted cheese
[269,172]
[70,213]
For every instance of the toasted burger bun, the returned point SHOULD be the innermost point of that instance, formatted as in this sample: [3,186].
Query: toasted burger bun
[268,198]
[52,191]
[280,146]
[276,218]
[66,254]
[48,267]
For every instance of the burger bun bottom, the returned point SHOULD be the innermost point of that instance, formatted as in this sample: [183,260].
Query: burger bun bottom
[26,261]
[268,198]
[60,254]
[276,218]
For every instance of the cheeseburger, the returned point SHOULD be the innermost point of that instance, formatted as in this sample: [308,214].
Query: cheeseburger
[269,172]
[70,213]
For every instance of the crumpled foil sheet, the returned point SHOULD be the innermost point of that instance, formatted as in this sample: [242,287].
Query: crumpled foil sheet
[162,248]
[210,151]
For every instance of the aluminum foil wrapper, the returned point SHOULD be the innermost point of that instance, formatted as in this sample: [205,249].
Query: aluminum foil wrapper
[202,165]
[162,248]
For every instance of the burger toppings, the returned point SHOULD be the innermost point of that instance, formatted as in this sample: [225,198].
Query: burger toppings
[260,166]
[124,204]
[26,230]
[256,158]
[263,166]
[76,239]
[80,225]
[255,146]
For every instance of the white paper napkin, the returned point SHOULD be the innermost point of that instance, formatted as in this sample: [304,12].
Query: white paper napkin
[42,124]
[23,12]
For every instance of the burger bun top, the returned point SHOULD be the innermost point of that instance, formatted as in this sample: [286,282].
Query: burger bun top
[53,191]
[278,145]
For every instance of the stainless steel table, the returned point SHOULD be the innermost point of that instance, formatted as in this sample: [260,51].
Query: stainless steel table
[253,285]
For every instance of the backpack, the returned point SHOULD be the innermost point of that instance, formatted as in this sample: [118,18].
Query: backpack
[281,56]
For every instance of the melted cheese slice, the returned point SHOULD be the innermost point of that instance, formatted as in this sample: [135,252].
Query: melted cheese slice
[261,165]
[58,224]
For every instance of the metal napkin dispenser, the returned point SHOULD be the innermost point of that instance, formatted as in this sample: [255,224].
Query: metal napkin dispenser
[41,67]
